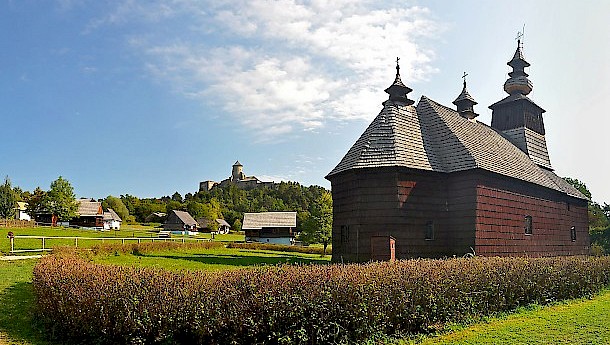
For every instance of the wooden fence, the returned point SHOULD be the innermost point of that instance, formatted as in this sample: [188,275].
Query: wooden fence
[123,240]
[14,223]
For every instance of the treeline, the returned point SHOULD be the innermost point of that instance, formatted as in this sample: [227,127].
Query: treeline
[230,203]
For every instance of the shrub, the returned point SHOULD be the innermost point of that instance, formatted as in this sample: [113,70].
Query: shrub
[279,247]
[311,304]
[135,248]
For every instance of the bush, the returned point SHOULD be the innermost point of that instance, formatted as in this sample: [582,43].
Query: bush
[312,304]
[280,248]
[135,248]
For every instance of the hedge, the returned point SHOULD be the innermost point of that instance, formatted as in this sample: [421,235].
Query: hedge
[313,304]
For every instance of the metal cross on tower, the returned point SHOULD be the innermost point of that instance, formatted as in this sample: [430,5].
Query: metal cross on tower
[464,77]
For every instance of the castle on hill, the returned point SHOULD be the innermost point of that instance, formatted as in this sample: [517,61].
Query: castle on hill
[238,179]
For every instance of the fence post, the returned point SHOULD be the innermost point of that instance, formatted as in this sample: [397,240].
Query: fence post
[122,241]
[12,244]
[43,243]
[138,240]
[76,242]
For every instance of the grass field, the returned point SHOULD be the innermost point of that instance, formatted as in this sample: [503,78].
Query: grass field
[125,232]
[212,259]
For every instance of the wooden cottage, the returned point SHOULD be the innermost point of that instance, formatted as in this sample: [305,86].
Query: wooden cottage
[219,226]
[431,181]
[89,215]
[270,227]
[180,221]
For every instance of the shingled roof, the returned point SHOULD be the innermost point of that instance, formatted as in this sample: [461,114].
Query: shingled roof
[269,220]
[433,137]
[185,217]
[87,207]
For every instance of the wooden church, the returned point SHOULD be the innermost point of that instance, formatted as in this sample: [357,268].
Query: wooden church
[428,180]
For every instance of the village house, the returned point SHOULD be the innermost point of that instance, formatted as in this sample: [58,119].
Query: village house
[237,178]
[219,226]
[156,217]
[180,221]
[89,215]
[21,211]
[112,221]
[270,227]
[431,181]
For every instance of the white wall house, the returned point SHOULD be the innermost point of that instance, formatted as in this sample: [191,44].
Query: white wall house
[112,221]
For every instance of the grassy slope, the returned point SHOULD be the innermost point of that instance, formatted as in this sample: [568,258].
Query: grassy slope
[575,322]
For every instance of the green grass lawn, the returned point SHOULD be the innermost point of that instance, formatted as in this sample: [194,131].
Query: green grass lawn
[125,232]
[585,321]
[17,318]
[212,259]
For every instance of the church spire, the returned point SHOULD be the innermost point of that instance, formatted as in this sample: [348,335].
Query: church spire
[518,82]
[398,91]
[465,103]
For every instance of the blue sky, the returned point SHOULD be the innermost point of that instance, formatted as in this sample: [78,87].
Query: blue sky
[149,98]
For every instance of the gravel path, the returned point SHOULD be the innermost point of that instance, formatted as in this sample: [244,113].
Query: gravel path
[19,257]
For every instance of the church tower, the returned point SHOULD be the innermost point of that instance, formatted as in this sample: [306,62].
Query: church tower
[518,117]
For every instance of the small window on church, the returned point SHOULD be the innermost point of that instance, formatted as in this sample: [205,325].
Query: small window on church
[344,233]
[528,225]
[430,230]
[573,233]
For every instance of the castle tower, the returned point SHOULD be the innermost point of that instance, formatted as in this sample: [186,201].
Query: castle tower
[238,172]
[518,117]
[465,103]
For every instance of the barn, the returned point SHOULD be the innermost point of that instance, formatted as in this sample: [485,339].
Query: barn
[428,180]
[270,227]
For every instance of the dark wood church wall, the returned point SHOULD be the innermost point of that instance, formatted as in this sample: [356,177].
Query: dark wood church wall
[502,207]
[427,214]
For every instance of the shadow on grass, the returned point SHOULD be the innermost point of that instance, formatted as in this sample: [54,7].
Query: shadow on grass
[17,315]
[238,260]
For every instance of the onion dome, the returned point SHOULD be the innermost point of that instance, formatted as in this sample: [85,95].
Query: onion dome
[518,82]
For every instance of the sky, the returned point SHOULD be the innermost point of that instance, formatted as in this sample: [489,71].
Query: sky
[151,97]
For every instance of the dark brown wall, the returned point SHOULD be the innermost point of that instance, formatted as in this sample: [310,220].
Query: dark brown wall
[501,209]
[400,202]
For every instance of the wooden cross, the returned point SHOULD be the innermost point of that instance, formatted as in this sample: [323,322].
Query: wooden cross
[464,77]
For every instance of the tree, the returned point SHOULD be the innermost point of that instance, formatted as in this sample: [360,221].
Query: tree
[8,200]
[177,197]
[598,215]
[318,225]
[118,206]
[60,200]
[35,202]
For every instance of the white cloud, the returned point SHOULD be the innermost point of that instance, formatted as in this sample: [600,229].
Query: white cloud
[276,67]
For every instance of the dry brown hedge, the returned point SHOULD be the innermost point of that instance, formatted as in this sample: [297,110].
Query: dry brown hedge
[312,304]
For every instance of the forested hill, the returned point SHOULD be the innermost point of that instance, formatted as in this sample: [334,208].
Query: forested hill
[230,203]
